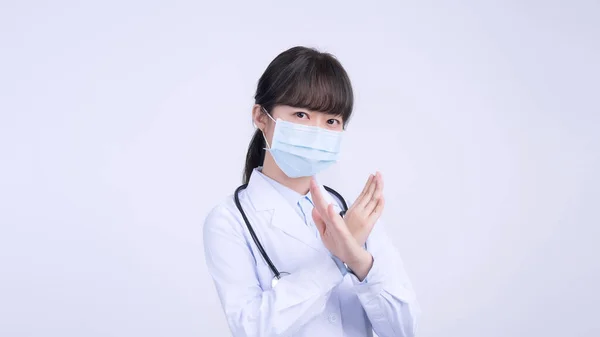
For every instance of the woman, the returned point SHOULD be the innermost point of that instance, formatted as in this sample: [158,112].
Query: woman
[285,257]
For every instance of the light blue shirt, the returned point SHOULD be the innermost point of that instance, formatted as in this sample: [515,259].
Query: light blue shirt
[303,205]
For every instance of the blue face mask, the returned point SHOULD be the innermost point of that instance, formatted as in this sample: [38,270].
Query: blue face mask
[302,150]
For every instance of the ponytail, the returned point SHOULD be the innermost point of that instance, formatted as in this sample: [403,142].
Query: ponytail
[255,155]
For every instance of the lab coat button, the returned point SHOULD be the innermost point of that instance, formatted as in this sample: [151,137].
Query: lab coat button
[332,318]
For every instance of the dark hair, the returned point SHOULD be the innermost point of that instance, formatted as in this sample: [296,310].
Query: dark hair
[305,78]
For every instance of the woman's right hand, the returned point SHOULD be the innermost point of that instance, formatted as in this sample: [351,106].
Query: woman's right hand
[334,233]
[337,237]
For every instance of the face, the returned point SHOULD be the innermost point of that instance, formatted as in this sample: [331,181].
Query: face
[295,115]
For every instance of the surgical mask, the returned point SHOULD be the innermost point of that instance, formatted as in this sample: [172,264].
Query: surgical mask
[302,150]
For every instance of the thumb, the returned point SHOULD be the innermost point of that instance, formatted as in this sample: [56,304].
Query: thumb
[319,222]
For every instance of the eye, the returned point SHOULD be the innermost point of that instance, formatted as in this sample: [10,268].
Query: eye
[334,121]
[301,114]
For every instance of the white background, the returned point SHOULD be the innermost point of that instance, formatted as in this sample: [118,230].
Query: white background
[123,123]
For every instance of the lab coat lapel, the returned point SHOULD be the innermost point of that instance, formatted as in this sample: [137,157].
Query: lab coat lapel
[265,198]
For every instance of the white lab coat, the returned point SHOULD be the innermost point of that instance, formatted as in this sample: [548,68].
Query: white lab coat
[315,299]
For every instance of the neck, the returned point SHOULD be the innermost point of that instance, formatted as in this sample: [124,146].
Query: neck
[271,170]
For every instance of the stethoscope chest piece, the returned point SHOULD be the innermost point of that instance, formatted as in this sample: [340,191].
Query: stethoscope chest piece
[275,279]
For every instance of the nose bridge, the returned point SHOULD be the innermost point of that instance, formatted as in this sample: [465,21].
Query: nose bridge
[320,120]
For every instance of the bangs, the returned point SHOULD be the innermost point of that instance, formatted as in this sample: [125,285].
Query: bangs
[317,84]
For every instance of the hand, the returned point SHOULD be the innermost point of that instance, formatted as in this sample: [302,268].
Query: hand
[335,235]
[366,210]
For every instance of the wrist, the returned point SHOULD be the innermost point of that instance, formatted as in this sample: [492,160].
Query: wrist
[355,255]
[361,263]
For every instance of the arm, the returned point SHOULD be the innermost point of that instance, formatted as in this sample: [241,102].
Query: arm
[386,293]
[380,282]
[250,310]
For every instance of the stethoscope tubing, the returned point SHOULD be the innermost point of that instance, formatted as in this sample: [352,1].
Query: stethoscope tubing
[260,247]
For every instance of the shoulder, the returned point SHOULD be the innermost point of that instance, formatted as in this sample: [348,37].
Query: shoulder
[222,218]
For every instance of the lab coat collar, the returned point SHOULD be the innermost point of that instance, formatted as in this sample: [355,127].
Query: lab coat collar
[264,197]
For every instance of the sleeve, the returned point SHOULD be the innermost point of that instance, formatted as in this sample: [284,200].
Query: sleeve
[250,310]
[341,265]
[386,293]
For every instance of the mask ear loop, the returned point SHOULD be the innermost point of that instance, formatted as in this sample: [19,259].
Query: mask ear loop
[261,131]
[268,114]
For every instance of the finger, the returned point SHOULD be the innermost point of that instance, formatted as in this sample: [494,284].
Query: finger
[318,221]
[318,199]
[380,179]
[336,222]
[374,216]
[378,194]
[365,188]
[367,197]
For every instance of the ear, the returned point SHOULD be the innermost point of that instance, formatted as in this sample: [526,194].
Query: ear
[259,118]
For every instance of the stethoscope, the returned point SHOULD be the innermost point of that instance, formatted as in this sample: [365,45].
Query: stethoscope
[277,274]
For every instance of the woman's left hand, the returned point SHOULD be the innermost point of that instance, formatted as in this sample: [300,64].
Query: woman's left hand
[366,210]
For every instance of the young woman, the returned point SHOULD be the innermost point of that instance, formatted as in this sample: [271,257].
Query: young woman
[286,256]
